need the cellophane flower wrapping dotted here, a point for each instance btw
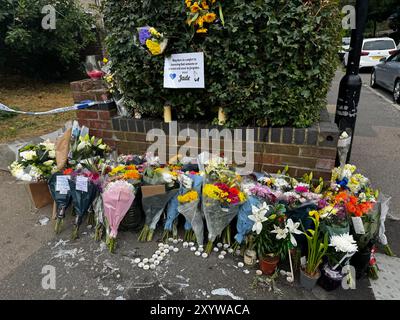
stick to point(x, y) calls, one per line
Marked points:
point(244, 224)
point(191, 210)
point(117, 197)
point(62, 199)
point(82, 200)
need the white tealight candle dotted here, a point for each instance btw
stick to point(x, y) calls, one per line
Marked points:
point(158, 252)
point(170, 239)
point(259, 273)
point(141, 264)
point(161, 245)
point(175, 241)
point(191, 244)
point(154, 256)
point(152, 266)
point(240, 264)
point(197, 253)
point(151, 260)
point(137, 260)
point(159, 258)
point(185, 244)
point(156, 263)
point(219, 244)
point(246, 271)
point(204, 255)
point(171, 248)
point(145, 260)
point(176, 249)
point(230, 250)
point(223, 252)
point(162, 254)
point(216, 249)
point(226, 246)
point(166, 250)
point(146, 267)
point(221, 257)
point(201, 249)
point(192, 248)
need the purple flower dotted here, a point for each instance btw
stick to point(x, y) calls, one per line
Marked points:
point(322, 204)
point(301, 189)
point(144, 34)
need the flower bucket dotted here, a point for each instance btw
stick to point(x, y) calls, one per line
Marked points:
point(268, 264)
point(330, 279)
point(307, 281)
point(360, 262)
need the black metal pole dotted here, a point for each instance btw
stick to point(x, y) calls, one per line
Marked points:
point(350, 85)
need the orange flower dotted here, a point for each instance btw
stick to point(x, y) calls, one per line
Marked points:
point(205, 5)
point(210, 17)
point(132, 174)
point(195, 8)
point(131, 167)
point(341, 197)
point(68, 171)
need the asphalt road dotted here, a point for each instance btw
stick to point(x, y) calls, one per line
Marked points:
point(86, 270)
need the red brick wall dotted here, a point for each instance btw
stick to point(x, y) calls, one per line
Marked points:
point(303, 150)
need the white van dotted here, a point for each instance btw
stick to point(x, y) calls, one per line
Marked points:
point(373, 50)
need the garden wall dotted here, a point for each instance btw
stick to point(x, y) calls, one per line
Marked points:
point(303, 150)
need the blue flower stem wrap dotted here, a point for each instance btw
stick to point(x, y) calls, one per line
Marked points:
point(244, 224)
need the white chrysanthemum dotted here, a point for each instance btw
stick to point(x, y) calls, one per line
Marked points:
point(28, 155)
point(344, 243)
point(281, 183)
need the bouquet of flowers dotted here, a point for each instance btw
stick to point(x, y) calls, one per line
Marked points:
point(201, 14)
point(35, 162)
point(132, 174)
point(153, 40)
point(84, 149)
point(153, 206)
point(189, 200)
point(84, 186)
point(221, 199)
point(341, 248)
point(118, 197)
point(61, 194)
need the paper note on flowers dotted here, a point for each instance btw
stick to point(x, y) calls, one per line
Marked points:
point(184, 70)
point(62, 184)
point(82, 184)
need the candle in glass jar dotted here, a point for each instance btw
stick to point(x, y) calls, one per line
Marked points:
point(167, 114)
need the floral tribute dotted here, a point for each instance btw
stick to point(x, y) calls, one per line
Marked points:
point(201, 14)
point(153, 40)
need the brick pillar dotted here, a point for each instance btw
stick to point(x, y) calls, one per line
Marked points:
point(96, 118)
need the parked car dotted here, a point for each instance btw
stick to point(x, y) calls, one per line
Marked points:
point(373, 50)
point(387, 75)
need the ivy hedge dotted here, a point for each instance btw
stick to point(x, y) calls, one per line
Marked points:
point(271, 63)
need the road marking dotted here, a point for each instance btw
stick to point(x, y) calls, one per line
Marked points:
point(394, 105)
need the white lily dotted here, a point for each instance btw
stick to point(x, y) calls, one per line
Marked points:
point(28, 155)
point(258, 217)
point(48, 163)
point(280, 233)
point(293, 228)
point(83, 144)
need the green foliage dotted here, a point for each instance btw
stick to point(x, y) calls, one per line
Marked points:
point(30, 49)
point(272, 62)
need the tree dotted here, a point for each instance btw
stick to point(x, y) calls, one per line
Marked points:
point(27, 47)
